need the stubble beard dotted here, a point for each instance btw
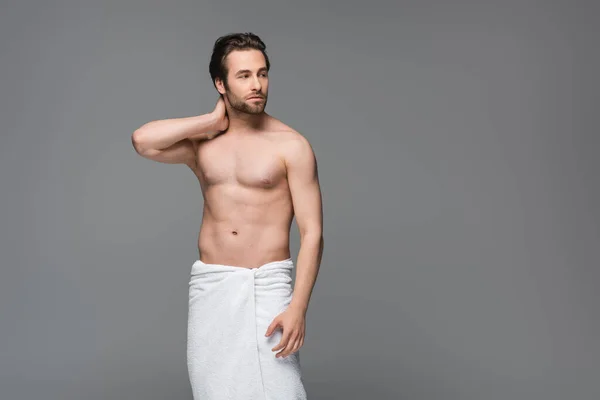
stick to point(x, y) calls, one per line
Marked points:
point(243, 106)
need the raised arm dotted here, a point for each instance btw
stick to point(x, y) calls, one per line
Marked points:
point(170, 140)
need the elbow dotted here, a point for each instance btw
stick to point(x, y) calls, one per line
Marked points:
point(137, 140)
point(313, 237)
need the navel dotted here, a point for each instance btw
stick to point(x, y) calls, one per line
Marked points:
point(234, 232)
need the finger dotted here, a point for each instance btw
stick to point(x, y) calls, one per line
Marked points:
point(297, 344)
point(272, 327)
point(284, 341)
point(300, 343)
point(282, 344)
point(287, 350)
point(294, 347)
point(288, 347)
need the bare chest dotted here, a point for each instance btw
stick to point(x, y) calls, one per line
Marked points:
point(255, 164)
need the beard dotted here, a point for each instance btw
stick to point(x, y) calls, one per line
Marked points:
point(246, 106)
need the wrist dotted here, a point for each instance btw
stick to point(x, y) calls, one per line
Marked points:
point(220, 122)
point(298, 306)
point(214, 120)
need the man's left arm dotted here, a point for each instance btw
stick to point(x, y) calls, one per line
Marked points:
point(303, 181)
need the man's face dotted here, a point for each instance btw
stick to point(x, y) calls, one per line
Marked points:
point(247, 77)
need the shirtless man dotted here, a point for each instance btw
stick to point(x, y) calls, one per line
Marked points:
point(255, 174)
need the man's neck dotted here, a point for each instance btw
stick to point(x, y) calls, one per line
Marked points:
point(246, 122)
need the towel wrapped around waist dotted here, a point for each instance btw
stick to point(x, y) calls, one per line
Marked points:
point(228, 355)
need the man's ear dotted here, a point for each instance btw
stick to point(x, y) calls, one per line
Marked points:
point(220, 86)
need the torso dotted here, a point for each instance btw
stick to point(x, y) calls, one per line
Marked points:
point(248, 209)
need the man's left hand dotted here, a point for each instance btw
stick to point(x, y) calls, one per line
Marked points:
point(292, 322)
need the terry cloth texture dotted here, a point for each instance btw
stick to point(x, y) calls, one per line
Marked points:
point(228, 355)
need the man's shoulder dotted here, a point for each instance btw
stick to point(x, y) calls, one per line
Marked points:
point(289, 141)
point(286, 135)
point(292, 145)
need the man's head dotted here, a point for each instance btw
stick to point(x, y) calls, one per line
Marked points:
point(239, 68)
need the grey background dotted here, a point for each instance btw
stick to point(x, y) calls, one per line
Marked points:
point(457, 147)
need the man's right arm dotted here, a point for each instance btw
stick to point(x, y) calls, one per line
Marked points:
point(170, 140)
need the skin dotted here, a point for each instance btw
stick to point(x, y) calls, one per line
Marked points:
point(256, 174)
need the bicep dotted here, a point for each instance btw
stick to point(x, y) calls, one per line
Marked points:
point(181, 152)
point(305, 190)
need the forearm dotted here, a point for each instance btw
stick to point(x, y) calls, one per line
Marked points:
point(307, 269)
point(161, 134)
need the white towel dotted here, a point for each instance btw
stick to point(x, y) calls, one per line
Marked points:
point(228, 355)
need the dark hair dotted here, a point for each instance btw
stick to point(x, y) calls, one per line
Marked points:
point(228, 43)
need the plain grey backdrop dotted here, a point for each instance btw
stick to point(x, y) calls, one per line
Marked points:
point(457, 144)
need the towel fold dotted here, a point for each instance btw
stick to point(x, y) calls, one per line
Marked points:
point(228, 355)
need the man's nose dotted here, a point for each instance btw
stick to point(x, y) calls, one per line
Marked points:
point(256, 83)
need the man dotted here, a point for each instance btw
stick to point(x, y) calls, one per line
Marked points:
point(255, 174)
